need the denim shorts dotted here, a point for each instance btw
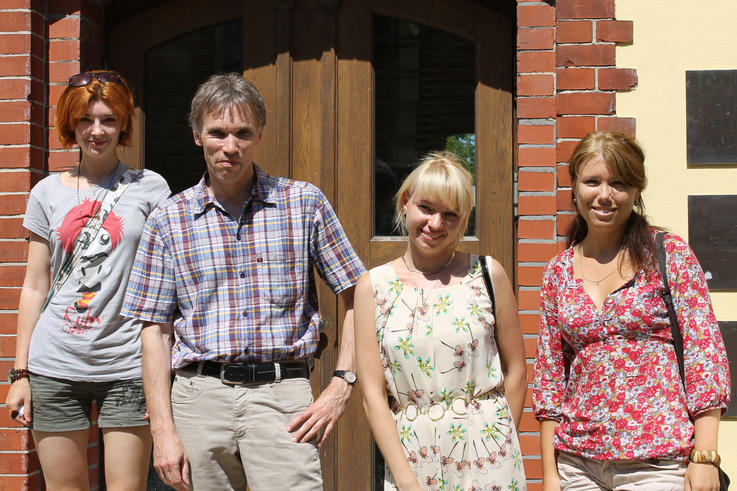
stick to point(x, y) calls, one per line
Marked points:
point(66, 405)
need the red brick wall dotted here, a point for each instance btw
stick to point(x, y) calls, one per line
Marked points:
point(41, 45)
point(566, 86)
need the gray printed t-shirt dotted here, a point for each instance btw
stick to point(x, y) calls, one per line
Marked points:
point(81, 335)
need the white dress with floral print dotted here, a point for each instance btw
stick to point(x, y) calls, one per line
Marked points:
point(445, 383)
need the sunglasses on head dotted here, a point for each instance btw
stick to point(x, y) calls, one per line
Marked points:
point(84, 78)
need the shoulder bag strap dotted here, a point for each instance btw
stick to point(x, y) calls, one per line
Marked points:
point(676, 332)
point(90, 229)
point(668, 299)
point(489, 285)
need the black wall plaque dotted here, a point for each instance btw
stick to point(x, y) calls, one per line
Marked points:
point(711, 121)
point(729, 333)
point(712, 234)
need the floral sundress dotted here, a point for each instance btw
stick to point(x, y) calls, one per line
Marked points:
point(445, 383)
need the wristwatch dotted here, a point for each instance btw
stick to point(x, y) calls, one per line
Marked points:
point(705, 457)
point(17, 374)
point(346, 375)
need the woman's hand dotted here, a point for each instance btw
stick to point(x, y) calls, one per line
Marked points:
point(701, 477)
point(19, 397)
point(410, 486)
point(704, 477)
point(551, 482)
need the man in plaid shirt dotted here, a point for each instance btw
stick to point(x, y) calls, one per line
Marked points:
point(223, 282)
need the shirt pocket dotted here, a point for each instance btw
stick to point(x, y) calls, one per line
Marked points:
point(283, 275)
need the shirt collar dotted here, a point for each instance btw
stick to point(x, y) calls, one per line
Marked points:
point(260, 191)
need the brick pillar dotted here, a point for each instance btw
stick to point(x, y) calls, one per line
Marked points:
point(566, 87)
point(22, 162)
point(536, 206)
point(587, 81)
point(41, 45)
point(75, 39)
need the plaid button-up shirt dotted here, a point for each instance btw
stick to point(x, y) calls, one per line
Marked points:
point(240, 290)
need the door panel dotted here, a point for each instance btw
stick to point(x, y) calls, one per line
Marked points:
point(312, 63)
point(493, 35)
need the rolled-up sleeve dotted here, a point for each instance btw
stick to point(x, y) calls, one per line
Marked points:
point(151, 292)
point(336, 261)
point(550, 362)
point(705, 357)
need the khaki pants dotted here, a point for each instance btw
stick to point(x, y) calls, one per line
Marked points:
point(233, 435)
point(579, 473)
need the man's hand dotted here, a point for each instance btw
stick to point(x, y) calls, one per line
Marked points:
point(170, 461)
point(701, 477)
point(323, 414)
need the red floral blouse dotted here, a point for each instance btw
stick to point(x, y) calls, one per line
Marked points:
point(611, 376)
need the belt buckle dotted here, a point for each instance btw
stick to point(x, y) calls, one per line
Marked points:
point(223, 367)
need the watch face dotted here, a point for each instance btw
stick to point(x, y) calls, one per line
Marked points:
point(349, 377)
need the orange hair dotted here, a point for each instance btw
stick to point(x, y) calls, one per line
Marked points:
point(74, 102)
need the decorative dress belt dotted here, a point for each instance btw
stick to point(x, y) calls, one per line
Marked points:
point(251, 373)
point(436, 410)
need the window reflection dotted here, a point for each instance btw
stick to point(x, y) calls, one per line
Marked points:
point(424, 92)
point(174, 70)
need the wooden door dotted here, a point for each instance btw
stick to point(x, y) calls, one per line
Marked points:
point(493, 35)
point(312, 62)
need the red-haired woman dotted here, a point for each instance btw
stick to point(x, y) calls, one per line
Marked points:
point(73, 347)
point(607, 389)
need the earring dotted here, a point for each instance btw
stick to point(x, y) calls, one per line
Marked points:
point(637, 203)
point(574, 199)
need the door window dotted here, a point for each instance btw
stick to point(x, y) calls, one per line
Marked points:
point(424, 92)
point(174, 70)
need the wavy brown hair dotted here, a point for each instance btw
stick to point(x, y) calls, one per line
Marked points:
point(625, 160)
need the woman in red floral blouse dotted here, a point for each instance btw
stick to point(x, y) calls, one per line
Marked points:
point(607, 388)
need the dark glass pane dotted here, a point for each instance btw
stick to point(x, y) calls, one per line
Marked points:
point(174, 70)
point(424, 101)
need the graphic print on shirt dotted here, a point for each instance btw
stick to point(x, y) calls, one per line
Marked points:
point(91, 270)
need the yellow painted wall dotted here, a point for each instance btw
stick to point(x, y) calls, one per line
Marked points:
point(670, 37)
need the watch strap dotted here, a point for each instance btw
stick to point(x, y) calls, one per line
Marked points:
point(342, 374)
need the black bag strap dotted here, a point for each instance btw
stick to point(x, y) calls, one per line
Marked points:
point(489, 284)
point(668, 299)
point(676, 330)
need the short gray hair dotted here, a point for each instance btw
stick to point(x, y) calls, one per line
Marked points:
point(226, 91)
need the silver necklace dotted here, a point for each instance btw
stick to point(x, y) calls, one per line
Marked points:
point(595, 282)
point(79, 203)
point(428, 273)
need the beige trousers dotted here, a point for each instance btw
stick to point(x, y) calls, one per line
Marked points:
point(579, 473)
point(236, 435)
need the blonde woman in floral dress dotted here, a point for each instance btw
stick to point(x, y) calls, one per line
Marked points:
point(427, 337)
